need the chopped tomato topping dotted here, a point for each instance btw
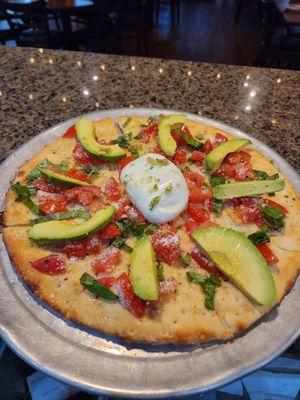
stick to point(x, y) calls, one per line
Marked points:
point(133, 213)
point(197, 193)
point(191, 226)
point(93, 244)
point(248, 210)
point(194, 177)
point(148, 131)
point(107, 260)
point(83, 194)
point(124, 161)
point(53, 265)
point(109, 232)
point(166, 243)
point(179, 139)
point(198, 157)
point(124, 201)
point(97, 204)
point(219, 139)
point(76, 248)
point(180, 157)
point(236, 166)
point(111, 189)
point(128, 298)
point(198, 212)
point(52, 206)
point(275, 204)
point(204, 262)
point(83, 157)
point(267, 254)
point(76, 173)
point(237, 157)
point(107, 281)
point(207, 146)
point(70, 132)
point(49, 187)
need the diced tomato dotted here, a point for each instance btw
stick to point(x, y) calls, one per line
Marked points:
point(83, 194)
point(109, 232)
point(107, 260)
point(178, 138)
point(195, 178)
point(166, 243)
point(197, 212)
point(52, 206)
point(191, 226)
point(238, 172)
point(107, 281)
point(111, 189)
point(83, 157)
point(93, 243)
point(198, 157)
point(124, 201)
point(53, 264)
point(204, 262)
point(207, 146)
point(76, 248)
point(76, 173)
point(133, 213)
point(275, 204)
point(128, 298)
point(180, 157)
point(237, 157)
point(202, 194)
point(267, 254)
point(97, 204)
point(248, 210)
point(219, 138)
point(148, 131)
point(70, 132)
point(49, 187)
point(124, 161)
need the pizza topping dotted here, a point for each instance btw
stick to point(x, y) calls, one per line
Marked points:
point(166, 141)
point(198, 212)
point(78, 174)
point(83, 194)
point(160, 272)
point(83, 157)
point(52, 206)
point(23, 193)
point(125, 160)
point(76, 248)
point(76, 213)
point(107, 281)
point(273, 217)
point(208, 286)
point(248, 210)
point(203, 262)
point(264, 176)
point(207, 146)
point(128, 298)
point(148, 131)
point(107, 260)
point(124, 141)
point(54, 264)
point(248, 188)
point(219, 138)
point(183, 136)
point(197, 157)
point(93, 243)
point(112, 189)
point(168, 286)
point(267, 254)
point(70, 133)
point(180, 157)
point(260, 237)
point(276, 205)
point(166, 243)
point(109, 232)
point(97, 288)
point(186, 259)
point(49, 187)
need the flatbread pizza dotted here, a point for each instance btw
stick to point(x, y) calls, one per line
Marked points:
point(159, 229)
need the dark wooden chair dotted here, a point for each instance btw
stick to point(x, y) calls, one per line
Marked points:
point(280, 42)
point(174, 9)
point(28, 24)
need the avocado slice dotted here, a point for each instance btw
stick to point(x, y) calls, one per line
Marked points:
point(247, 188)
point(215, 157)
point(86, 137)
point(62, 178)
point(238, 258)
point(143, 271)
point(52, 231)
point(166, 141)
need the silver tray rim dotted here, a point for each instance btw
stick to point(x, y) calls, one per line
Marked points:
point(142, 369)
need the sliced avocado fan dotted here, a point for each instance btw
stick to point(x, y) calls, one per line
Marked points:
point(247, 188)
point(86, 137)
point(52, 231)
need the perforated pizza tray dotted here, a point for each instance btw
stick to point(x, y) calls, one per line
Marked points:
point(101, 364)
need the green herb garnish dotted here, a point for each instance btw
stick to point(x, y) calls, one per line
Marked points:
point(127, 121)
point(169, 188)
point(186, 259)
point(90, 170)
point(129, 226)
point(217, 180)
point(273, 217)
point(96, 287)
point(264, 176)
point(79, 213)
point(23, 194)
point(151, 228)
point(208, 286)
point(120, 243)
point(35, 173)
point(124, 141)
point(195, 277)
point(260, 237)
point(217, 205)
point(154, 202)
point(160, 272)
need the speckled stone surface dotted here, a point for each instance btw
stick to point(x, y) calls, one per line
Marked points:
point(39, 88)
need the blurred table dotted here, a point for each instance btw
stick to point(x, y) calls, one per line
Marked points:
point(290, 17)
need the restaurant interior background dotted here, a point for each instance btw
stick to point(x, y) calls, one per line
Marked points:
point(263, 33)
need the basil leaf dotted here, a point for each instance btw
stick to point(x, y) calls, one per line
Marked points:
point(129, 226)
point(186, 259)
point(124, 141)
point(35, 173)
point(77, 213)
point(160, 272)
point(128, 119)
point(273, 217)
point(195, 277)
point(120, 243)
point(217, 180)
point(264, 176)
point(96, 287)
point(23, 194)
point(90, 170)
point(151, 228)
point(217, 205)
point(260, 237)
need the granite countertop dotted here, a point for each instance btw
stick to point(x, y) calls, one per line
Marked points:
point(39, 88)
